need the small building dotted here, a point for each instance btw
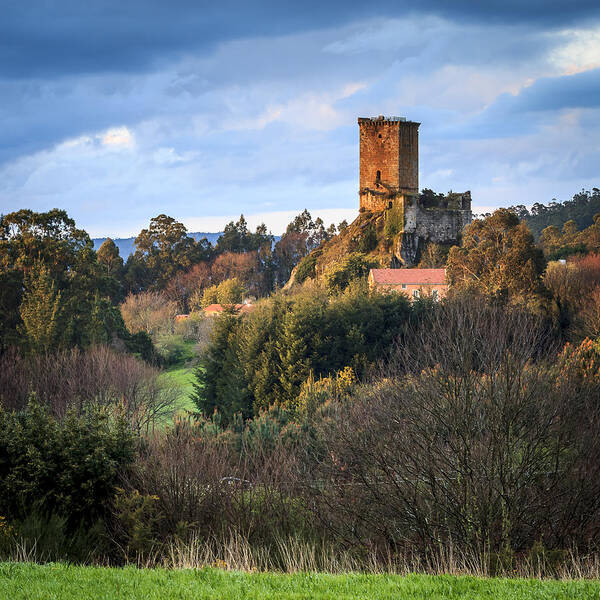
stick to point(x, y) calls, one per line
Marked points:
point(213, 310)
point(414, 283)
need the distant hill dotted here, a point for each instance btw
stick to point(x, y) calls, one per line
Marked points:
point(581, 209)
point(126, 246)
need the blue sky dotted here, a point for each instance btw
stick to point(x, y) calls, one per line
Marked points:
point(118, 111)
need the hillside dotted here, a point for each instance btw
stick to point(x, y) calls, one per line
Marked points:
point(581, 209)
point(416, 232)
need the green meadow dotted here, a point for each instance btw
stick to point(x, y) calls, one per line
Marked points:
point(28, 581)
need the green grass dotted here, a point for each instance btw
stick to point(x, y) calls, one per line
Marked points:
point(183, 377)
point(65, 582)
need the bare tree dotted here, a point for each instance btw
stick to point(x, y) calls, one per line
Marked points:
point(74, 379)
point(468, 435)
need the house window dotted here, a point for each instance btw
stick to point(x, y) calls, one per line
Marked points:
point(434, 295)
point(415, 293)
point(403, 286)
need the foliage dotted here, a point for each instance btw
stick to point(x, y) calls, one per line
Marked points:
point(497, 257)
point(44, 256)
point(136, 523)
point(470, 434)
point(149, 312)
point(341, 274)
point(306, 267)
point(109, 257)
point(368, 240)
point(173, 349)
point(394, 223)
point(434, 256)
point(68, 468)
point(315, 393)
point(583, 360)
point(163, 250)
point(581, 209)
point(75, 380)
point(220, 375)
point(574, 287)
point(52, 538)
point(40, 310)
point(237, 238)
point(187, 284)
point(297, 246)
point(229, 291)
point(265, 357)
point(570, 241)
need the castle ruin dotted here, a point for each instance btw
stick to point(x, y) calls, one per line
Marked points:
point(389, 181)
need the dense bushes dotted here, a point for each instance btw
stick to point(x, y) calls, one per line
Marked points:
point(472, 435)
point(67, 467)
point(265, 358)
point(468, 429)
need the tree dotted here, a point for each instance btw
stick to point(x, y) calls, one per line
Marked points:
point(41, 310)
point(51, 239)
point(165, 249)
point(220, 374)
point(185, 284)
point(498, 257)
point(149, 312)
point(237, 238)
point(230, 291)
point(109, 258)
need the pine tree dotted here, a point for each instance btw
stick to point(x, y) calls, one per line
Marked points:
point(40, 310)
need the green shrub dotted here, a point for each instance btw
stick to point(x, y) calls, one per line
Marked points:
point(51, 539)
point(368, 240)
point(173, 349)
point(306, 267)
point(137, 523)
point(230, 291)
point(341, 274)
point(394, 223)
point(66, 468)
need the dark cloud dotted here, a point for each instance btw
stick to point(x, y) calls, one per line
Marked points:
point(41, 38)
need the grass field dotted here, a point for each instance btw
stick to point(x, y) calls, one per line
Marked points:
point(25, 581)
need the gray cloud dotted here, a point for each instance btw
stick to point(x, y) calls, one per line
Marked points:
point(262, 118)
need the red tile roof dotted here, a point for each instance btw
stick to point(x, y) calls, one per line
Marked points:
point(409, 276)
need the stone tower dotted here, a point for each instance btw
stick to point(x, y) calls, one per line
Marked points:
point(389, 183)
point(389, 161)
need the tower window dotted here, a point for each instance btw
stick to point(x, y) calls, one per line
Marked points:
point(379, 136)
point(378, 178)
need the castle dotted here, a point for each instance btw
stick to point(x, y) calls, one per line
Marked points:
point(389, 181)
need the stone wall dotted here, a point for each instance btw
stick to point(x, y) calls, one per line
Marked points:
point(431, 225)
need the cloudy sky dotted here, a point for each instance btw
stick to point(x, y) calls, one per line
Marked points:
point(118, 110)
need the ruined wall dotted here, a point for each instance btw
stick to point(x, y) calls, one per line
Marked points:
point(441, 224)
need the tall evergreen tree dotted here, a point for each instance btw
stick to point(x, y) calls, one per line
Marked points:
point(40, 310)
